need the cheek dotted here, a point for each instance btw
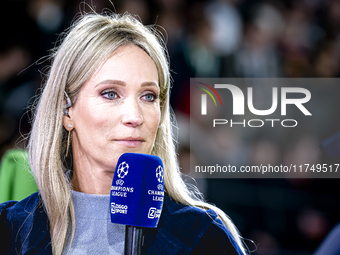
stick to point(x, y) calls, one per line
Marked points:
point(90, 121)
point(151, 117)
point(155, 120)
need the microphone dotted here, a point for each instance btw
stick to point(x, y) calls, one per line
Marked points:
point(136, 196)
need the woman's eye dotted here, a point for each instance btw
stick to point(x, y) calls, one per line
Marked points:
point(110, 94)
point(150, 97)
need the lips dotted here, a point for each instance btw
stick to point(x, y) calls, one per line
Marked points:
point(132, 142)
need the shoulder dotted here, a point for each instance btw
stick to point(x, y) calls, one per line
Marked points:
point(191, 230)
point(15, 213)
point(330, 244)
point(23, 224)
point(217, 240)
point(19, 207)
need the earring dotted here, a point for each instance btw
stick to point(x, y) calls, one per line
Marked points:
point(70, 126)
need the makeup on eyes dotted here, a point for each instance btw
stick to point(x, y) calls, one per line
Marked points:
point(112, 94)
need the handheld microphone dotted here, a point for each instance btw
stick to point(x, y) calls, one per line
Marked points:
point(136, 196)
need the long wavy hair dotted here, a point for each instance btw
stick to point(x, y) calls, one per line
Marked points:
point(86, 45)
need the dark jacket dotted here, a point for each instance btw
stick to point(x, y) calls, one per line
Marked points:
point(24, 229)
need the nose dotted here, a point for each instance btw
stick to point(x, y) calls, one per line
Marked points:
point(132, 114)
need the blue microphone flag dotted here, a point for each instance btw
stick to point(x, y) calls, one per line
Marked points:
point(137, 190)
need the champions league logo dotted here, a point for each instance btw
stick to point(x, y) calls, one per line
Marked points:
point(159, 174)
point(123, 170)
point(120, 182)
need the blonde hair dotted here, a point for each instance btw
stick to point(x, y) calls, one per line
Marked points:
point(89, 42)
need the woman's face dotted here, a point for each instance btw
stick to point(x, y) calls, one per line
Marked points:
point(117, 111)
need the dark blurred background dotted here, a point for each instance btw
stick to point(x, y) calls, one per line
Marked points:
point(226, 38)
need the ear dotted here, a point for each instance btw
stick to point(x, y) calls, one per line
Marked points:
point(67, 121)
point(68, 112)
point(67, 118)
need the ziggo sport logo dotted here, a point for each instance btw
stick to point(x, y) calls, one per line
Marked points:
point(238, 104)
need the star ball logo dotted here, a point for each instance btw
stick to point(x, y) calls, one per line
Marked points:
point(239, 104)
point(160, 174)
point(123, 169)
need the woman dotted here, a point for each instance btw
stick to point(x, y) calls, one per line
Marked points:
point(107, 93)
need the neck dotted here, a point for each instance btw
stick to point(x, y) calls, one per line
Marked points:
point(90, 175)
point(91, 184)
point(91, 179)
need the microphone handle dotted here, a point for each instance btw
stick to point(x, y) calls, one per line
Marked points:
point(133, 240)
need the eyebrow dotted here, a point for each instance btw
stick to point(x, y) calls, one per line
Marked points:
point(117, 82)
point(122, 83)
